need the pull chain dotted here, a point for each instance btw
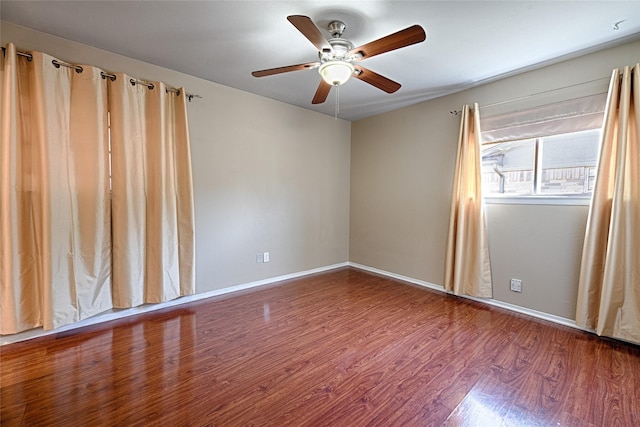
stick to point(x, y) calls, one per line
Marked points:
point(337, 101)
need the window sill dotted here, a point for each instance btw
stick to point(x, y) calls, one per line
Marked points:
point(539, 200)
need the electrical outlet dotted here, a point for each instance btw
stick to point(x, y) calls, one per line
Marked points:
point(260, 257)
point(516, 285)
point(265, 256)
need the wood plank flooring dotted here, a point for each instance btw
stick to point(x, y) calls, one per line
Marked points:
point(342, 348)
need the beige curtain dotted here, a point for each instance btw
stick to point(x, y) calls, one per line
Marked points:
point(152, 202)
point(609, 287)
point(467, 269)
point(54, 202)
point(66, 225)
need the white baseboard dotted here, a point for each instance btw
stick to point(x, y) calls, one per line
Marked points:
point(120, 314)
point(505, 305)
point(398, 276)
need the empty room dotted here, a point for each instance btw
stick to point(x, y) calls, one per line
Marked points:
point(320, 213)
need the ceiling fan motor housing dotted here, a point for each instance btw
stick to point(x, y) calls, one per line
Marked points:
point(340, 49)
point(336, 65)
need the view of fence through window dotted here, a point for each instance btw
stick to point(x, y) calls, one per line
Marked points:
point(553, 165)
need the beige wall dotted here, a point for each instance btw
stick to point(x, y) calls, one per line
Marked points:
point(401, 190)
point(267, 176)
point(540, 245)
point(401, 177)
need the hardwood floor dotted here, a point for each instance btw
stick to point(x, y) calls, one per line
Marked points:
point(342, 348)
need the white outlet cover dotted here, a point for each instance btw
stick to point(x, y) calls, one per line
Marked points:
point(265, 256)
point(516, 285)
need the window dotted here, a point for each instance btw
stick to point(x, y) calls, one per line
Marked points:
point(557, 165)
point(548, 151)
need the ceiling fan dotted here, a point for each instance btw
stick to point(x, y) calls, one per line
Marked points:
point(339, 59)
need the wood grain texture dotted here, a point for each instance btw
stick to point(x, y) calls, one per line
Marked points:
point(408, 36)
point(305, 25)
point(342, 348)
point(321, 93)
point(377, 80)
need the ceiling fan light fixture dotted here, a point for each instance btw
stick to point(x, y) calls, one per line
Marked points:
point(336, 73)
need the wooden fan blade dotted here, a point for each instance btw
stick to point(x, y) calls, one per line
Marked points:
point(321, 93)
point(305, 25)
point(279, 70)
point(375, 79)
point(408, 36)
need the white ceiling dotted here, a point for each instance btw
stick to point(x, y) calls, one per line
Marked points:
point(468, 42)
